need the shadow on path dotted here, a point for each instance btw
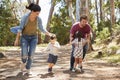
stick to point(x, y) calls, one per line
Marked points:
point(47, 75)
point(19, 76)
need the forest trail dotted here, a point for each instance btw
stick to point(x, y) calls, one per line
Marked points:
point(94, 69)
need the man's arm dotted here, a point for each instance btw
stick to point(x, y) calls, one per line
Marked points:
point(71, 37)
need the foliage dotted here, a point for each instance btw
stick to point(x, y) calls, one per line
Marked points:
point(113, 58)
point(104, 34)
point(61, 24)
point(7, 20)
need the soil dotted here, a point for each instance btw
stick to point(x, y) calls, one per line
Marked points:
point(94, 69)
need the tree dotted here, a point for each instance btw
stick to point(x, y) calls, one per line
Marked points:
point(112, 11)
point(97, 11)
point(33, 1)
point(77, 10)
point(53, 2)
point(70, 9)
point(7, 20)
point(101, 10)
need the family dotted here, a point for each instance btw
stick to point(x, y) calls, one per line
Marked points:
point(27, 32)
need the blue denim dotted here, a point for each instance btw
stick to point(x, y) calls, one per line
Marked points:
point(72, 59)
point(14, 29)
point(28, 46)
point(24, 21)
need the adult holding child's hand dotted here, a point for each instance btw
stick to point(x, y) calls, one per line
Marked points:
point(27, 34)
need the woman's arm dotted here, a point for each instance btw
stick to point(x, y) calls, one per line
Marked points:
point(41, 28)
point(16, 43)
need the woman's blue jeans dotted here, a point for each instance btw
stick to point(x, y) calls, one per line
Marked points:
point(72, 59)
point(28, 46)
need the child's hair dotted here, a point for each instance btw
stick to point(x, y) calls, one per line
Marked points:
point(53, 37)
point(33, 7)
point(78, 35)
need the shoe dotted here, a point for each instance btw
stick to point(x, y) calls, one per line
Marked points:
point(70, 69)
point(49, 70)
point(22, 67)
point(81, 69)
point(28, 71)
point(73, 70)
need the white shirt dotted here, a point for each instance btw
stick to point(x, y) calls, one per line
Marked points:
point(53, 48)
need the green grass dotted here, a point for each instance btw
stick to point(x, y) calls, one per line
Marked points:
point(112, 58)
point(115, 58)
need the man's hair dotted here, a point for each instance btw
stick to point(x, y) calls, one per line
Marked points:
point(83, 17)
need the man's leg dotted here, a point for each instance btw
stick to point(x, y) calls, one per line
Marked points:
point(85, 49)
point(72, 59)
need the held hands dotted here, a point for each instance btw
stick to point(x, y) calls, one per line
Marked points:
point(49, 34)
point(68, 44)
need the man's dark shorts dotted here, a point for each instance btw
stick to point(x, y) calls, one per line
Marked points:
point(52, 58)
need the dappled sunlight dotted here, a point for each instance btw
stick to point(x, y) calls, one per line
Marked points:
point(93, 68)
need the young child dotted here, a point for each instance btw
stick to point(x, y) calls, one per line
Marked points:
point(52, 47)
point(79, 42)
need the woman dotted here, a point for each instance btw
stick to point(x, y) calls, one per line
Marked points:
point(27, 33)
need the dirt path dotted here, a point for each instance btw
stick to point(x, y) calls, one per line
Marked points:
point(94, 69)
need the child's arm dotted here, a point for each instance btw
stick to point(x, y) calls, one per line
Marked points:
point(47, 48)
point(57, 45)
point(84, 41)
point(72, 42)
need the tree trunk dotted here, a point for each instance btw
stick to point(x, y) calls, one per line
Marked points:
point(112, 15)
point(70, 9)
point(82, 7)
point(101, 10)
point(112, 11)
point(49, 18)
point(96, 11)
point(77, 10)
point(37, 1)
point(87, 10)
point(30, 1)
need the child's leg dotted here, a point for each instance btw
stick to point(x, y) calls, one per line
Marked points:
point(80, 64)
point(76, 62)
point(50, 65)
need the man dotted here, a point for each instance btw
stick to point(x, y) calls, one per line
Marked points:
point(84, 28)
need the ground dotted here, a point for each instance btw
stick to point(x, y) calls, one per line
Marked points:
point(94, 69)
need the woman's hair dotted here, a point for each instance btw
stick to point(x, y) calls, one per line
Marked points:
point(78, 35)
point(33, 7)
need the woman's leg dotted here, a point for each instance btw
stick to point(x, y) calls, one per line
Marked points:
point(24, 51)
point(32, 46)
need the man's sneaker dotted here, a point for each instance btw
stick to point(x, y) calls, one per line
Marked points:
point(22, 67)
point(49, 70)
point(73, 70)
point(70, 69)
